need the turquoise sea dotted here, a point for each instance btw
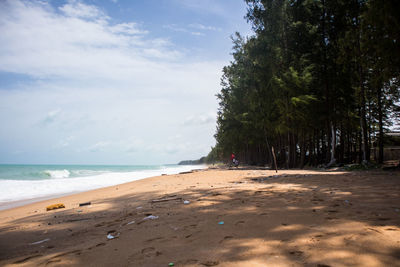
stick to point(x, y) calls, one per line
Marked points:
point(27, 182)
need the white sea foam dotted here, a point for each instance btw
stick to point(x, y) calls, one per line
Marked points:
point(16, 190)
point(57, 173)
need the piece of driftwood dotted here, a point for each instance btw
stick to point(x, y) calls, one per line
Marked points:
point(85, 204)
point(186, 172)
point(78, 220)
point(165, 199)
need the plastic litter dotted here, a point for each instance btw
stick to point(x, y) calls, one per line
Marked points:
point(112, 236)
point(221, 223)
point(171, 264)
point(186, 202)
point(150, 217)
point(41, 241)
point(55, 206)
point(130, 222)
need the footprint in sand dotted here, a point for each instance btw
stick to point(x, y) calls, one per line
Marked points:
point(296, 252)
point(150, 252)
point(191, 261)
point(154, 239)
point(239, 223)
point(210, 263)
point(100, 244)
point(226, 238)
point(194, 233)
point(190, 226)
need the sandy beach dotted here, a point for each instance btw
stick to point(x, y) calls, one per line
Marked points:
point(215, 217)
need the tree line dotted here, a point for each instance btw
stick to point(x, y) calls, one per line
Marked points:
point(317, 83)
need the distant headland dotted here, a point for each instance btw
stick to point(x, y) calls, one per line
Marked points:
point(201, 160)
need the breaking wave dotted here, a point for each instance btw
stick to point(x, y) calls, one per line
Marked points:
point(57, 173)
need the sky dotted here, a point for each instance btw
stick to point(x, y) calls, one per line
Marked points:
point(112, 81)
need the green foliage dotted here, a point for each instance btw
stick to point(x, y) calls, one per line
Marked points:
point(314, 82)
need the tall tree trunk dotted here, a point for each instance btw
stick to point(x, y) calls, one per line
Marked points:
point(288, 152)
point(363, 119)
point(302, 150)
point(312, 150)
point(294, 150)
point(333, 146)
point(268, 146)
point(380, 119)
point(318, 150)
point(360, 147)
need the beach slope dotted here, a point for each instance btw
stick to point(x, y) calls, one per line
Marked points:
point(215, 217)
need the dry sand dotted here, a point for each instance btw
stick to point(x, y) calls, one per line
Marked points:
point(299, 218)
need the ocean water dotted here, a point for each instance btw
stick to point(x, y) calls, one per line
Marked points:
point(27, 182)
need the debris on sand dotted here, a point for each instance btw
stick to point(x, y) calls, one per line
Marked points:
point(55, 206)
point(40, 242)
point(85, 204)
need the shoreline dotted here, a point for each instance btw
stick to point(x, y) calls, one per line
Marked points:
point(240, 217)
point(4, 205)
point(23, 202)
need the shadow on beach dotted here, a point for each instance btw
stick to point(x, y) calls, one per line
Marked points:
point(284, 219)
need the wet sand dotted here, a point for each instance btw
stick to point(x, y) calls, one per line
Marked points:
point(240, 217)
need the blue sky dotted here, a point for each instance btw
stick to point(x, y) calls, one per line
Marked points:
point(112, 81)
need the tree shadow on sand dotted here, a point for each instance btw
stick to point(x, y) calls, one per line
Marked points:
point(284, 220)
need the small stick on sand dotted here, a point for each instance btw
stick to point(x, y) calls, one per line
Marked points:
point(166, 199)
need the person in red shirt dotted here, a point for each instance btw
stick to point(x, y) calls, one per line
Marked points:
point(234, 161)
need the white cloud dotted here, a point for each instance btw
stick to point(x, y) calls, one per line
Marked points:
point(208, 118)
point(127, 28)
point(197, 33)
point(77, 9)
point(99, 146)
point(175, 28)
point(64, 142)
point(101, 83)
point(51, 117)
point(204, 27)
point(80, 42)
point(188, 29)
point(133, 146)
